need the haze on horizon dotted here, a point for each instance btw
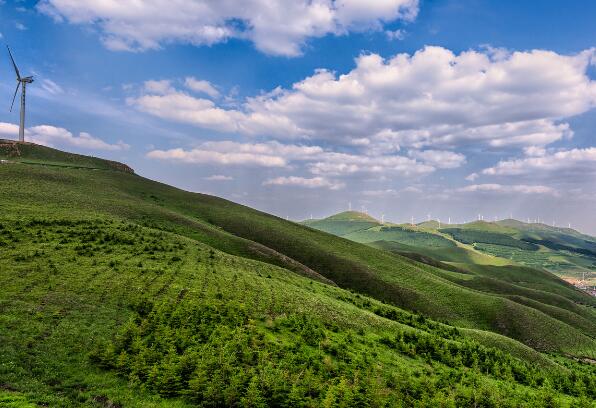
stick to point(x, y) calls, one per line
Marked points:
point(405, 108)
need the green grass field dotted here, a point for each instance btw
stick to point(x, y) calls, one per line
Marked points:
point(120, 291)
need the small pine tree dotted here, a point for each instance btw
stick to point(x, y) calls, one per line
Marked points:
point(253, 398)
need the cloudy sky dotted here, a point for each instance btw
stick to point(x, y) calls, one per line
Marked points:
point(405, 108)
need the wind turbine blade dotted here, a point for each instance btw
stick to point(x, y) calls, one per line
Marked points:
point(16, 70)
point(15, 95)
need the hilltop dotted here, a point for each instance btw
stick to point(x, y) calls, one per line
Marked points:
point(31, 153)
point(352, 216)
point(119, 290)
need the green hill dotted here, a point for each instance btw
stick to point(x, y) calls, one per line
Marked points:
point(344, 223)
point(30, 153)
point(352, 216)
point(121, 291)
point(457, 247)
point(563, 251)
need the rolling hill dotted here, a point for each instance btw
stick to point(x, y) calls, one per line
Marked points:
point(122, 291)
point(562, 251)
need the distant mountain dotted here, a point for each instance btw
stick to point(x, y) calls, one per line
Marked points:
point(563, 251)
point(122, 291)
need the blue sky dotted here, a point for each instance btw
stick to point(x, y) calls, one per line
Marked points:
point(405, 108)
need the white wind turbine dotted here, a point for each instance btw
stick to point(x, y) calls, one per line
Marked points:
point(21, 81)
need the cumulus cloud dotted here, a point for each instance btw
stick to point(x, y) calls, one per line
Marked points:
point(159, 87)
point(344, 164)
point(276, 27)
point(391, 192)
point(315, 159)
point(441, 159)
point(203, 86)
point(395, 35)
point(55, 136)
point(557, 163)
point(501, 188)
point(219, 177)
point(270, 154)
point(433, 98)
point(315, 182)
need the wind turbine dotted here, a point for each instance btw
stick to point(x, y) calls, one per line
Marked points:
point(20, 81)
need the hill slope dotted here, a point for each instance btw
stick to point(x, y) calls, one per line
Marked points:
point(30, 153)
point(144, 278)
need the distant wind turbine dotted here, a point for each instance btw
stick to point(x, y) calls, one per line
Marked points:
point(20, 82)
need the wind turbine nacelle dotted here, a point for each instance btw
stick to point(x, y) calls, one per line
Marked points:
point(27, 79)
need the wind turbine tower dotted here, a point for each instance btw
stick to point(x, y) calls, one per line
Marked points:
point(382, 218)
point(21, 81)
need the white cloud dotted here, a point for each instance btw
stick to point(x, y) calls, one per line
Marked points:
point(315, 182)
point(20, 26)
point(201, 86)
point(51, 87)
point(395, 35)
point(317, 161)
point(55, 136)
point(439, 158)
point(219, 177)
point(278, 27)
point(535, 151)
point(159, 87)
point(391, 192)
point(270, 154)
point(343, 164)
point(433, 98)
point(509, 189)
point(580, 162)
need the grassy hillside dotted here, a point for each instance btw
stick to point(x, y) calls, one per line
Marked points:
point(120, 291)
point(29, 153)
point(245, 232)
point(457, 261)
point(91, 307)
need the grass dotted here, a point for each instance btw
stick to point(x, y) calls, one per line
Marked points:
point(241, 231)
point(120, 291)
point(79, 289)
